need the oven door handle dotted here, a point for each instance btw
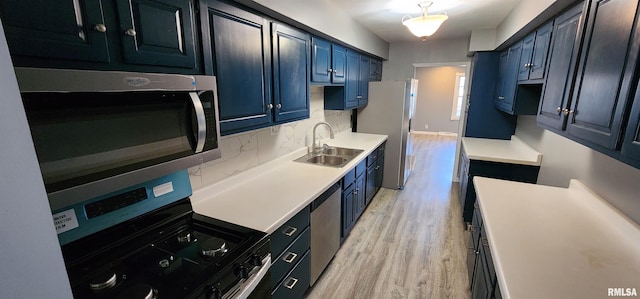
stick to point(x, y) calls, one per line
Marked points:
point(250, 285)
point(201, 119)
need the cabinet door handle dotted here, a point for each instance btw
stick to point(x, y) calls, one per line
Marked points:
point(100, 28)
point(335, 71)
point(270, 106)
point(330, 71)
point(279, 106)
point(130, 32)
point(359, 97)
point(291, 283)
point(567, 112)
point(501, 98)
point(290, 257)
point(559, 109)
point(290, 231)
point(377, 167)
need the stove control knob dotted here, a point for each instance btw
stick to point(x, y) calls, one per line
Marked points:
point(255, 260)
point(213, 293)
point(241, 272)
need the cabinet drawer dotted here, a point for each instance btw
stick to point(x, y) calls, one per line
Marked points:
point(372, 158)
point(290, 257)
point(281, 238)
point(381, 150)
point(348, 178)
point(297, 282)
point(361, 168)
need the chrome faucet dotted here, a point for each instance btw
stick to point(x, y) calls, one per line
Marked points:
point(319, 148)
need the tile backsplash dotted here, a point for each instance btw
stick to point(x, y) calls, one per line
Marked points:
point(243, 151)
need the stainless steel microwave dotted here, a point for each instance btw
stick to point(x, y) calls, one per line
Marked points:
point(96, 132)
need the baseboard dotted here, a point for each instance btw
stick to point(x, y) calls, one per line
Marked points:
point(434, 133)
point(424, 133)
point(448, 134)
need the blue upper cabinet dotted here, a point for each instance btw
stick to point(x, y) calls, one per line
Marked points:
point(483, 119)
point(535, 47)
point(133, 35)
point(525, 58)
point(157, 32)
point(355, 92)
point(606, 73)
point(321, 56)
point(508, 78)
point(562, 62)
point(262, 68)
point(339, 64)
point(352, 83)
point(290, 73)
point(363, 82)
point(66, 29)
point(238, 53)
point(328, 62)
point(538, 62)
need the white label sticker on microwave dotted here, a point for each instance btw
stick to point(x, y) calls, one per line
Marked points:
point(163, 189)
point(65, 221)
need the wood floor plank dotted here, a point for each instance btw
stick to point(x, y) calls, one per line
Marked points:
point(408, 243)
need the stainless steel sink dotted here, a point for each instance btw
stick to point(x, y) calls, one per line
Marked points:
point(331, 156)
point(342, 151)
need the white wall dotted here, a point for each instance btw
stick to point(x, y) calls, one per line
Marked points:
point(436, 88)
point(247, 150)
point(520, 16)
point(564, 159)
point(328, 19)
point(482, 40)
point(30, 255)
point(402, 56)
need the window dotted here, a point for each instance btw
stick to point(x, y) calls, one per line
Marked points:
point(458, 96)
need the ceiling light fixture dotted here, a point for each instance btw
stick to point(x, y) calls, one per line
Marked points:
point(424, 25)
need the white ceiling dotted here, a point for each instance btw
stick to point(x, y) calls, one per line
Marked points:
point(383, 17)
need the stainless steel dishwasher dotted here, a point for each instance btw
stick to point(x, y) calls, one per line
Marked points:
point(325, 229)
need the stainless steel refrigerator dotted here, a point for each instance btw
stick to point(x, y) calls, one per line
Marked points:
point(389, 111)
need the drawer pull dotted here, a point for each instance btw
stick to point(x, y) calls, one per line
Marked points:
point(290, 231)
point(291, 283)
point(290, 257)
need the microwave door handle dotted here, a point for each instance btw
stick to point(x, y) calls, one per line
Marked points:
point(202, 121)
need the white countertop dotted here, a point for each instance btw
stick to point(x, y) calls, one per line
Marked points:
point(512, 151)
point(265, 197)
point(550, 242)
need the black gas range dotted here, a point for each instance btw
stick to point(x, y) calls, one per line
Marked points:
point(169, 252)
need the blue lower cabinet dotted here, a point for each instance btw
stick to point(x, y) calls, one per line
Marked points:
point(284, 236)
point(290, 251)
point(284, 263)
point(296, 283)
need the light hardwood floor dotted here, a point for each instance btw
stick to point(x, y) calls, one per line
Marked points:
point(408, 243)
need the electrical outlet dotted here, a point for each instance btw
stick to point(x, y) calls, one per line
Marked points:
point(426, 127)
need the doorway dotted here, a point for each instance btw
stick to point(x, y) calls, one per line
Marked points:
point(441, 101)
